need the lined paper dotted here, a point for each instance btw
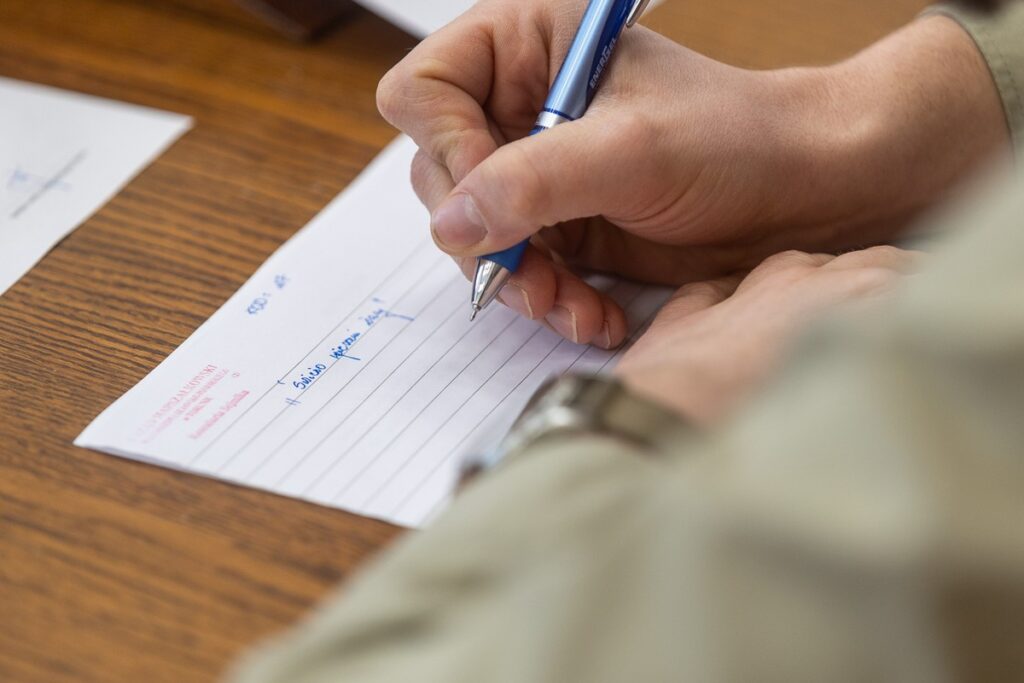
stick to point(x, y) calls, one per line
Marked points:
point(346, 371)
point(62, 156)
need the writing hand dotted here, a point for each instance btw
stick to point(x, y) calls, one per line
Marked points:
point(684, 168)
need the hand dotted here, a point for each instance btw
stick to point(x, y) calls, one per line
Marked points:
point(714, 342)
point(684, 168)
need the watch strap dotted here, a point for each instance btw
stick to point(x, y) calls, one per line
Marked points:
point(595, 404)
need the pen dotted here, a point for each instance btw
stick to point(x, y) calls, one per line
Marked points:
point(571, 94)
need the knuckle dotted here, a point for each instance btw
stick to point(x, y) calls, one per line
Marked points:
point(889, 256)
point(445, 145)
point(636, 128)
point(645, 124)
point(787, 259)
point(419, 172)
point(886, 251)
point(389, 94)
point(886, 256)
point(701, 290)
point(868, 280)
point(413, 86)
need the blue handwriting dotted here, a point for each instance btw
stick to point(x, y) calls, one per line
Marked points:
point(309, 376)
point(343, 349)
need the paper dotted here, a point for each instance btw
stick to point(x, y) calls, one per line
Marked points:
point(346, 371)
point(62, 156)
point(418, 17)
point(423, 17)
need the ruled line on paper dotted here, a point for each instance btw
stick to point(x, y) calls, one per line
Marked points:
point(292, 404)
point(352, 482)
point(319, 410)
point(398, 268)
point(391, 407)
point(457, 451)
point(398, 471)
point(454, 311)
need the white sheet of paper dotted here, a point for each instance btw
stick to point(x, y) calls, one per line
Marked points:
point(346, 371)
point(63, 155)
point(423, 17)
point(418, 17)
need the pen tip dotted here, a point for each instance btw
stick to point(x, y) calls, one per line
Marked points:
point(476, 309)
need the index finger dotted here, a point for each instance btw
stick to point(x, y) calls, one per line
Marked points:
point(436, 94)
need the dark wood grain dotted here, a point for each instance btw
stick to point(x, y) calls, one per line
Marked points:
point(115, 571)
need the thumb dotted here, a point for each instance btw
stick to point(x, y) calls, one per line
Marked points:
point(579, 169)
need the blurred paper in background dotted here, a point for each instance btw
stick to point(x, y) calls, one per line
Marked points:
point(63, 155)
point(423, 17)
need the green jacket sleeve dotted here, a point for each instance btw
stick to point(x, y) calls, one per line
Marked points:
point(998, 29)
point(859, 520)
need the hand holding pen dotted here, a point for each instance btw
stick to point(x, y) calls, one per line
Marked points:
point(571, 94)
point(683, 169)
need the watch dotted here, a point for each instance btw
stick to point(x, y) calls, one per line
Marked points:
point(593, 404)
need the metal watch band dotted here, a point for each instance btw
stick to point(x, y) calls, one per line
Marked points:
point(582, 403)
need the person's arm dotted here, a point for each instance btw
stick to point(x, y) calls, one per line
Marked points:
point(859, 520)
point(684, 168)
point(855, 522)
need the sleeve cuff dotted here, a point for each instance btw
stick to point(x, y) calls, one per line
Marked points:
point(999, 34)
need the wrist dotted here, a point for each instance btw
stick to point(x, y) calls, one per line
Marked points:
point(889, 132)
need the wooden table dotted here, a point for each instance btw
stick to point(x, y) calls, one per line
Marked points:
point(116, 571)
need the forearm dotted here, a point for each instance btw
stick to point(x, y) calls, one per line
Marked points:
point(926, 112)
point(894, 129)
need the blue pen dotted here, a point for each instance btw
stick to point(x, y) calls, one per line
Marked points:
point(569, 98)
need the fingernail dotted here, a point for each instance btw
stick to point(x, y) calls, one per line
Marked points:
point(564, 323)
point(516, 298)
point(457, 222)
point(605, 337)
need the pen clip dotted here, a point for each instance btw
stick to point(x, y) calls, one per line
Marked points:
point(634, 14)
